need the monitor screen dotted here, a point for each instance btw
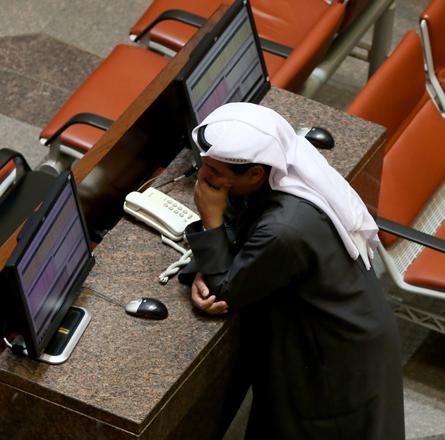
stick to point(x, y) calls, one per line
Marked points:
point(227, 66)
point(51, 260)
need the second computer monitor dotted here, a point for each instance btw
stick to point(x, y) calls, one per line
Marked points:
point(227, 66)
point(44, 273)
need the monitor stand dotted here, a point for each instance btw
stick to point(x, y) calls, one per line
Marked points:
point(65, 339)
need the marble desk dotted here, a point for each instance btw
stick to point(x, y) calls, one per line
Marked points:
point(130, 378)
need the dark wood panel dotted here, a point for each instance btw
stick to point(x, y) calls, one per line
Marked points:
point(144, 140)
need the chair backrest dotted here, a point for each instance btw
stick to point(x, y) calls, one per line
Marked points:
point(290, 22)
point(310, 51)
point(286, 22)
point(413, 169)
point(306, 27)
point(414, 160)
point(414, 165)
point(396, 91)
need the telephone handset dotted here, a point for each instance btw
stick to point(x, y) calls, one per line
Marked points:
point(160, 211)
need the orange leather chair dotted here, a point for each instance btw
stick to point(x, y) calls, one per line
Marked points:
point(392, 97)
point(294, 35)
point(99, 100)
point(412, 191)
point(412, 196)
point(396, 101)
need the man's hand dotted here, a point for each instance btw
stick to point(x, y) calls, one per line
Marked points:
point(202, 299)
point(211, 202)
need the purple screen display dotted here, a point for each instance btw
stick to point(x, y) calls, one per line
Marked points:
point(231, 70)
point(52, 262)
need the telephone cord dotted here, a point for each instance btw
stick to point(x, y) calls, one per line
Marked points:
point(174, 268)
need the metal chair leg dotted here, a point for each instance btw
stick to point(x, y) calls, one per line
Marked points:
point(381, 39)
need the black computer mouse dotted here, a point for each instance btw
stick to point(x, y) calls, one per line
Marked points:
point(318, 137)
point(149, 308)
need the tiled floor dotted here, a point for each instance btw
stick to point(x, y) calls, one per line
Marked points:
point(47, 47)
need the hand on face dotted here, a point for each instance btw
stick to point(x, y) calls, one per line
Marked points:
point(202, 299)
point(211, 199)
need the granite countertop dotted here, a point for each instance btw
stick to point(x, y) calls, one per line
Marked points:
point(353, 136)
point(124, 368)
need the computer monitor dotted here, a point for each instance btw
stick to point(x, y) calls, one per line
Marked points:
point(44, 273)
point(227, 66)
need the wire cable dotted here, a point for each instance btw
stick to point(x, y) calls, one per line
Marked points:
point(3, 330)
point(192, 170)
point(146, 184)
point(106, 298)
point(7, 342)
point(174, 268)
point(15, 348)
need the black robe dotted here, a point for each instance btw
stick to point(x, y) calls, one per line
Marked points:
point(321, 343)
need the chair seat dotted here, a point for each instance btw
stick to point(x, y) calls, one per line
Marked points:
point(108, 91)
point(428, 269)
point(273, 64)
point(290, 22)
point(309, 52)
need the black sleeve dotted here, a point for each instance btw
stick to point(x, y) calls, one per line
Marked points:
point(271, 257)
point(218, 238)
point(187, 273)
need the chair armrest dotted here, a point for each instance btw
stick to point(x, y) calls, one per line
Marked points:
point(411, 234)
point(198, 21)
point(175, 15)
point(82, 118)
point(434, 86)
point(7, 154)
point(275, 48)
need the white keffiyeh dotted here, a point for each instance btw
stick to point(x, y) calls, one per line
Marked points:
point(250, 133)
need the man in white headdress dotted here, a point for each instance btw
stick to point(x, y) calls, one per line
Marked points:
point(286, 242)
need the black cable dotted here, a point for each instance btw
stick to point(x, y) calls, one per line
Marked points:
point(192, 170)
point(15, 348)
point(106, 298)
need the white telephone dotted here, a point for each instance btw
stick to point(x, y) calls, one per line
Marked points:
point(160, 211)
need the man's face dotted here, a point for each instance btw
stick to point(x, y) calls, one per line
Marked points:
point(217, 174)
